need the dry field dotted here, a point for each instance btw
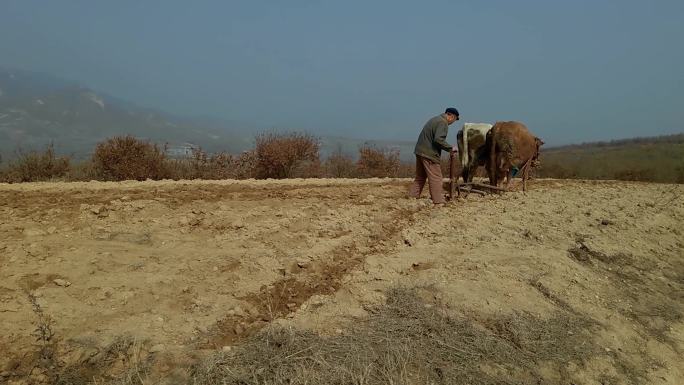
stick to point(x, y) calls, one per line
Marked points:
point(340, 281)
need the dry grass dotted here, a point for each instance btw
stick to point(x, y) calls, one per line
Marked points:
point(123, 362)
point(406, 341)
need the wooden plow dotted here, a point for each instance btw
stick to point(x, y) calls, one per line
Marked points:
point(467, 188)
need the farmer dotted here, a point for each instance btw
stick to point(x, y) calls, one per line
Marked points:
point(431, 142)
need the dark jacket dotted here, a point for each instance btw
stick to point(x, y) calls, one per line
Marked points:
point(432, 140)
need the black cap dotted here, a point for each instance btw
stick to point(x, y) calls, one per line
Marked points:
point(452, 111)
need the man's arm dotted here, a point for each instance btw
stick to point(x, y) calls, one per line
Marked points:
point(440, 136)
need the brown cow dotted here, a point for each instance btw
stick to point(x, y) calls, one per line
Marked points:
point(512, 149)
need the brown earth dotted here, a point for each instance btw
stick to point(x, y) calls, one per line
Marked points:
point(186, 268)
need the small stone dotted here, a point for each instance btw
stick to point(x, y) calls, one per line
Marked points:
point(606, 222)
point(338, 331)
point(291, 305)
point(51, 229)
point(227, 348)
point(105, 293)
point(302, 264)
point(62, 282)
point(215, 268)
point(237, 310)
point(608, 350)
point(157, 348)
point(238, 330)
point(33, 232)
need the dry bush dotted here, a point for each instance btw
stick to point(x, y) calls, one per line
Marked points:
point(378, 163)
point(180, 169)
point(212, 166)
point(406, 341)
point(128, 158)
point(81, 172)
point(407, 170)
point(287, 155)
point(245, 165)
point(35, 166)
point(339, 165)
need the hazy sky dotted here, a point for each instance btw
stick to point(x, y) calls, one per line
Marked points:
point(573, 71)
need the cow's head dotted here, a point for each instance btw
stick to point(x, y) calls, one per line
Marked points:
point(538, 143)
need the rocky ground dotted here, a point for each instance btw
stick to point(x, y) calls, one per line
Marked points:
point(176, 271)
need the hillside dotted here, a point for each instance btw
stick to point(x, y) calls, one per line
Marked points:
point(656, 159)
point(36, 109)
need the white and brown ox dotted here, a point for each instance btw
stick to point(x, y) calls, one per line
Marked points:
point(512, 149)
point(471, 148)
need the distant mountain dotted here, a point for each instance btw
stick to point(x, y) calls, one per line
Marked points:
point(36, 109)
point(619, 143)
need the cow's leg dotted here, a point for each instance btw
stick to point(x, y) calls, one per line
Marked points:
point(492, 164)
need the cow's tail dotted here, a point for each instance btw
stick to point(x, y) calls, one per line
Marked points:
point(492, 156)
point(464, 158)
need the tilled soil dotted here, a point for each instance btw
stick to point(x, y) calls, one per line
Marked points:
point(190, 267)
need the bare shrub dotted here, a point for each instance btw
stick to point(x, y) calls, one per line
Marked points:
point(81, 172)
point(339, 165)
point(407, 170)
point(377, 163)
point(128, 158)
point(211, 166)
point(286, 155)
point(35, 166)
point(245, 165)
point(178, 169)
